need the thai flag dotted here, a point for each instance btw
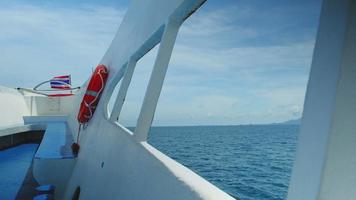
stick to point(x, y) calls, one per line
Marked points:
point(61, 82)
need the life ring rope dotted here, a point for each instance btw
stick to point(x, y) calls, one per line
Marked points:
point(89, 105)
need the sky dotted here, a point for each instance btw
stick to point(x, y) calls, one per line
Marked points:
point(234, 61)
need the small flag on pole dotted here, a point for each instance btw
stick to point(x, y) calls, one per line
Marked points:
point(61, 82)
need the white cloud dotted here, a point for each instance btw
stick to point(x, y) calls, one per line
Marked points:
point(294, 56)
point(215, 76)
point(201, 24)
point(231, 84)
point(53, 41)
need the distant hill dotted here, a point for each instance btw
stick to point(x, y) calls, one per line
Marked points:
point(292, 122)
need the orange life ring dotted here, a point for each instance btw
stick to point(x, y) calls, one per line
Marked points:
point(92, 95)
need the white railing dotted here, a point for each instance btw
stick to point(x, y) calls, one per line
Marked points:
point(130, 168)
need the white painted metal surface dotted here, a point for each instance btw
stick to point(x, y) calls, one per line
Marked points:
point(156, 81)
point(16, 107)
point(55, 172)
point(325, 164)
point(27, 112)
point(120, 99)
point(54, 161)
point(42, 105)
point(113, 162)
point(13, 107)
point(56, 142)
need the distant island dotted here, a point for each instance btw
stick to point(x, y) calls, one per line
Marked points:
point(291, 122)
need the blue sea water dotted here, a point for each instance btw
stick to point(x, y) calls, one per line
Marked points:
point(250, 162)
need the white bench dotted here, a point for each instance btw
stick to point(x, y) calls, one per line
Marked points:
point(54, 161)
point(56, 142)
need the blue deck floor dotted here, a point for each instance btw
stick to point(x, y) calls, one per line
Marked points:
point(14, 163)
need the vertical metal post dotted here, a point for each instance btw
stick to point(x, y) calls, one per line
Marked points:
point(325, 163)
point(156, 81)
point(121, 95)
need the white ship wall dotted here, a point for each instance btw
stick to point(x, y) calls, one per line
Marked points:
point(20, 110)
point(113, 162)
point(12, 106)
point(42, 105)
